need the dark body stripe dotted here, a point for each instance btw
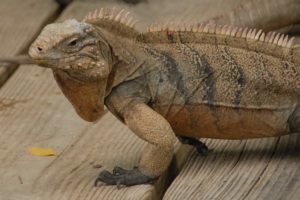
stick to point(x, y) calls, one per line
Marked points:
point(174, 76)
point(204, 76)
point(168, 69)
point(238, 75)
point(205, 71)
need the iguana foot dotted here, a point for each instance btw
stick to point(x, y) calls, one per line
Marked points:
point(200, 146)
point(122, 176)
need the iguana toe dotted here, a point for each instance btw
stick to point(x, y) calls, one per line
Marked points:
point(119, 170)
point(200, 146)
point(122, 176)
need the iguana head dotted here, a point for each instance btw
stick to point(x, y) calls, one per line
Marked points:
point(81, 60)
point(74, 47)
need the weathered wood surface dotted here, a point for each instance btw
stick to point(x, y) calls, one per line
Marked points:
point(19, 23)
point(262, 14)
point(266, 169)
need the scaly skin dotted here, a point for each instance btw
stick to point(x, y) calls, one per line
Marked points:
point(187, 81)
point(265, 14)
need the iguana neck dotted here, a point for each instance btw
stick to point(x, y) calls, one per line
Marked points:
point(126, 57)
point(117, 28)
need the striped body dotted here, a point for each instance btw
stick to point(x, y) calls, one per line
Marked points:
point(220, 91)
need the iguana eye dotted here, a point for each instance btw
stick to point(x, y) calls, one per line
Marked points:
point(73, 42)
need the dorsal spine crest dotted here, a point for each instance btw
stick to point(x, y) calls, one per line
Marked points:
point(114, 20)
point(225, 30)
point(271, 43)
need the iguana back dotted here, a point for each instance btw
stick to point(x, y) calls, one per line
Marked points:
point(220, 75)
point(237, 83)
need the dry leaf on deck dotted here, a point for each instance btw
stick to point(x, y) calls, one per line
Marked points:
point(36, 151)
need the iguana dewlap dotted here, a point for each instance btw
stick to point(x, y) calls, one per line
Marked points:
point(193, 81)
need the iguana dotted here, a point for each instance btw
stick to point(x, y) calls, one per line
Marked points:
point(187, 80)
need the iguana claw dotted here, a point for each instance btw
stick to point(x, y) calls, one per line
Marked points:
point(122, 176)
point(200, 146)
point(119, 170)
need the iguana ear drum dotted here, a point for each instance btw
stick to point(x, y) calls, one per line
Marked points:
point(105, 50)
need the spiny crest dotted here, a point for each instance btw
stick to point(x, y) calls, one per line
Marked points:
point(115, 20)
point(111, 14)
point(225, 30)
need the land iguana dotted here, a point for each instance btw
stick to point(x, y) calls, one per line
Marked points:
point(187, 80)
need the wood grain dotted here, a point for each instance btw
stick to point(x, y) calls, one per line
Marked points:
point(20, 22)
point(249, 169)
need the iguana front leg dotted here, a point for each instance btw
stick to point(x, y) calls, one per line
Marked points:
point(157, 155)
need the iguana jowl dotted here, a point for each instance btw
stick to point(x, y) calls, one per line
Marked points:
point(194, 81)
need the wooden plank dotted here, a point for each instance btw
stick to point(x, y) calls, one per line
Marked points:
point(248, 169)
point(34, 113)
point(262, 14)
point(20, 22)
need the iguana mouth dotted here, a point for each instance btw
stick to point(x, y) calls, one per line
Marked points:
point(85, 75)
point(68, 63)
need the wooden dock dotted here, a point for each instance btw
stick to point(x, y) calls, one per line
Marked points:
point(34, 113)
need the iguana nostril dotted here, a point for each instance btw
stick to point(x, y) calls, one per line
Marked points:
point(39, 49)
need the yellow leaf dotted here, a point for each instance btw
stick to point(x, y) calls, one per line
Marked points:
point(36, 151)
